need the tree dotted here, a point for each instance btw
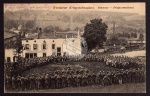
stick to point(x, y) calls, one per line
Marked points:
point(18, 45)
point(49, 29)
point(94, 33)
point(113, 40)
point(30, 24)
point(10, 24)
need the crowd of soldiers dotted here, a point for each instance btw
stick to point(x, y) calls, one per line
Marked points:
point(74, 78)
point(121, 62)
point(131, 70)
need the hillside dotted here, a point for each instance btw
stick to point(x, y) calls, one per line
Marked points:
point(75, 19)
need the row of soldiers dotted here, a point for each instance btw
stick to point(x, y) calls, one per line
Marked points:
point(74, 78)
point(123, 62)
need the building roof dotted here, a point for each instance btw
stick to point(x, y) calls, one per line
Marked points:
point(8, 34)
point(32, 35)
point(44, 35)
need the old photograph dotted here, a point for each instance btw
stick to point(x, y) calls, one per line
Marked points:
point(74, 47)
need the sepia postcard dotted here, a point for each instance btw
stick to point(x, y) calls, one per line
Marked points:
point(74, 47)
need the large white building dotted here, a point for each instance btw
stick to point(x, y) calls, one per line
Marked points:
point(47, 47)
point(42, 47)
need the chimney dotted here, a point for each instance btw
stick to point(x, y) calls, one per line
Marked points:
point(40, 30)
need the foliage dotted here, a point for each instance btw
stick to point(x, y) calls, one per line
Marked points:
point(115, 40)
point(18, 45)
point(127, 35)
point(10, 24)
point(30, 24)
point(94, 33)
point(49, 29)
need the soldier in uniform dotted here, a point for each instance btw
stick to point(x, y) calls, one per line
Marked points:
point(8, 82)
point(22, 83)
point(63, 80)
point(47, 81)
point(18, 82)
point(77, 79)
point(13, 83)
point(106, 80)
point(25, 83)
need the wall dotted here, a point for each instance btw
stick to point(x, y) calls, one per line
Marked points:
point(9, 53)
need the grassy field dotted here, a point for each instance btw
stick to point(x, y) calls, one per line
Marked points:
point(128, 88)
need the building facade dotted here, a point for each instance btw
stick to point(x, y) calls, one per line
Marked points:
point(42, 47)
point(47, 47)
point(54, 46)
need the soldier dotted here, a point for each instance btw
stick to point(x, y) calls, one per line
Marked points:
point(77, 79)
point(18, 82)
point(58, 81)
point(32, 82)
point(42, 81)
point(68, 81)
point(22, 83)
point(106, 80)
point(98, 78)
point(8, 82)
point(25, 83)
point(13, 83)
point(46, 81)
point(63, 80)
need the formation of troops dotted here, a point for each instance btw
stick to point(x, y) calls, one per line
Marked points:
point(74, 78)
point(130, 70)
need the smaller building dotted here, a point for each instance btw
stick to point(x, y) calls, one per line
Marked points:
point(9, 39)
point(10, 55)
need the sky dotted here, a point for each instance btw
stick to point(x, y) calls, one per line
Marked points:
point(111, 7)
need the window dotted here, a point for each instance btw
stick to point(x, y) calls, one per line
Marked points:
point(58, 54)
point(27, 46)
point(44, 46)
point(26, 55)
point(53, 46)
point(8, 59)
point(31, 55)
point(14, 59)
point(34, 46)
point(35, 54)
point(58, 51)
point(44, 54)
